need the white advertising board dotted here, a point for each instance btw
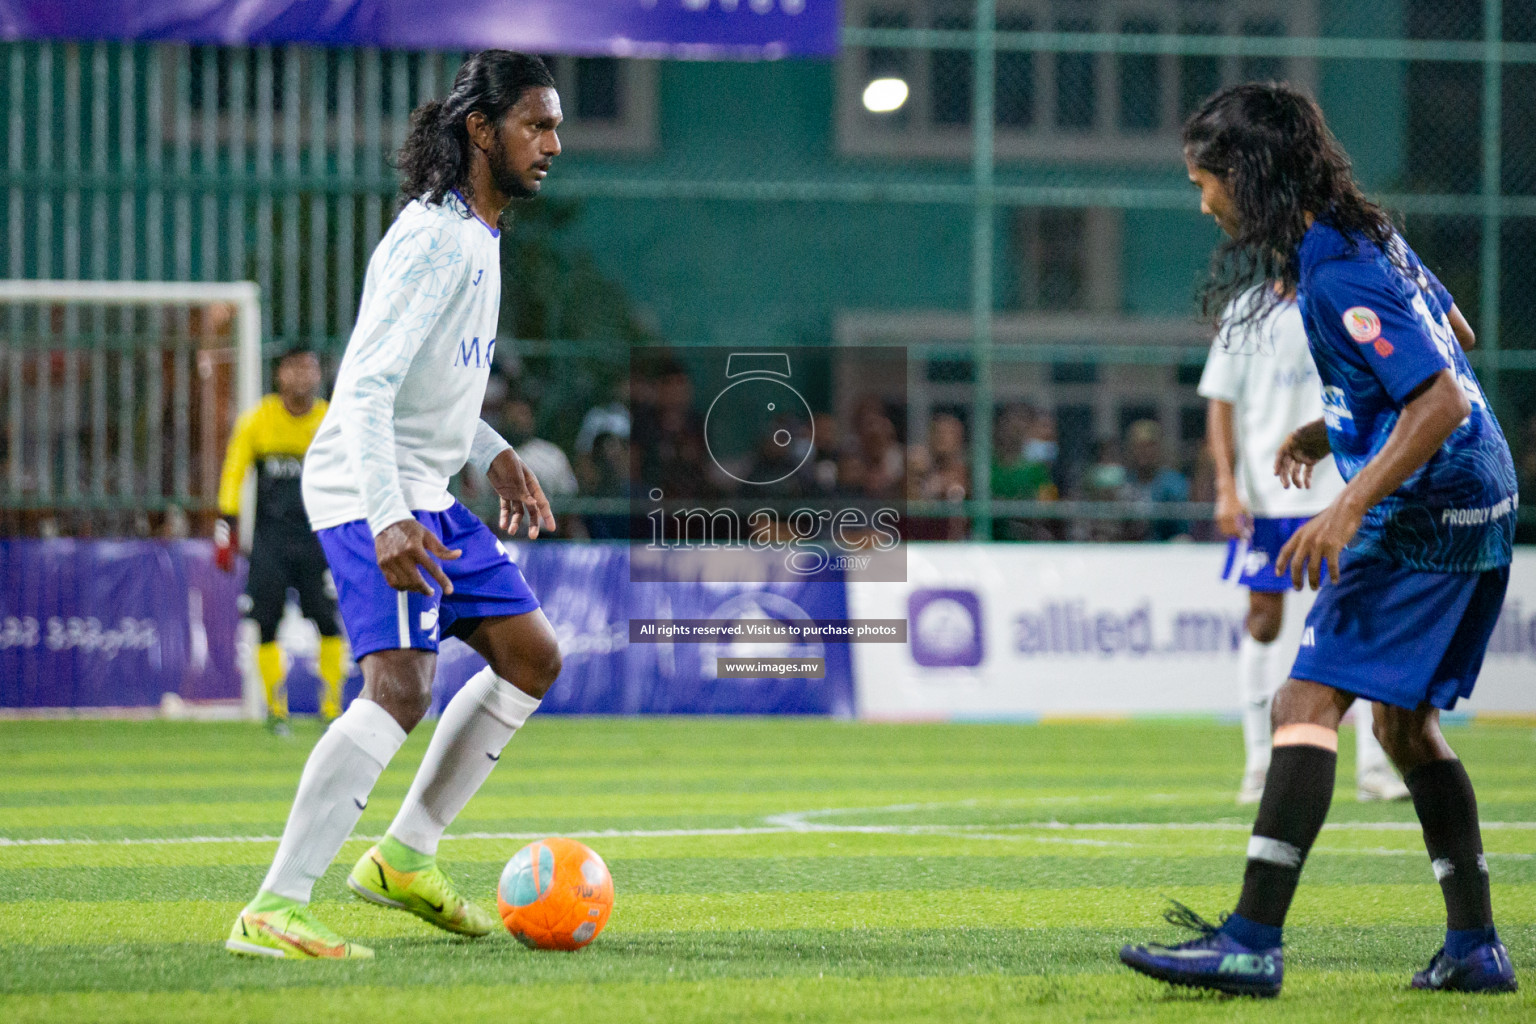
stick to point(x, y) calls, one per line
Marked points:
point(1020, 630)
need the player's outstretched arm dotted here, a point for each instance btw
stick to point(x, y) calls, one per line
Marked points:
point(1432, 412)
point(522, 499)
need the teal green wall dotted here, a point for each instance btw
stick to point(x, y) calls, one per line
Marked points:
point(776, 272)
point(767, 272)
point(1165, 258)
point(726, 272)
point(1366, 100)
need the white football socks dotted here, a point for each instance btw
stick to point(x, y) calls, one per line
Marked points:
point(333, 791)
point(475, 727)
point(1257, 682)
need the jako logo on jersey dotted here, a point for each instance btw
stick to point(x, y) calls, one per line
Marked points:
point(1309, 637)
point(429, 622)
point(469, 353)
point(1364, 326)
point(478, 274)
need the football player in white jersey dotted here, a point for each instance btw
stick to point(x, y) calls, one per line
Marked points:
point(410, 563)
point(1261, 385)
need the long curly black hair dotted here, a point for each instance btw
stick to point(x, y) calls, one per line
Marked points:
point(1272, 146)
point(435, 158)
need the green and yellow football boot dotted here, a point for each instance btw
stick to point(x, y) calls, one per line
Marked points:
point(426, 892)
point(290, 932)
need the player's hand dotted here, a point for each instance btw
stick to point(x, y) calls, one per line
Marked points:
point(1232, 517)
point(226, 543)
point(1320, 540)
point(1304, 448)
point(407, 547)
point(522, 499)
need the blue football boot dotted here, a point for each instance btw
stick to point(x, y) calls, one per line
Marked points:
point(1485, 969)
point(1214, 960)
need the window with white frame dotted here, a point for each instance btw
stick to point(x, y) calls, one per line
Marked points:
point(609, 103)
point(1055, 105)
point(1067, 259)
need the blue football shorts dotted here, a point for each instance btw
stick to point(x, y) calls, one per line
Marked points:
point(486, 584)
point(1252, 561)
point(1401, 636)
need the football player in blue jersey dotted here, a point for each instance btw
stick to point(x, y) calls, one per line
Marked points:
point(1262, 384)
point(1416, 546)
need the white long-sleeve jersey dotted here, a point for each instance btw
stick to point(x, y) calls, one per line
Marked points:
point(1265, 370)
point(405, 415)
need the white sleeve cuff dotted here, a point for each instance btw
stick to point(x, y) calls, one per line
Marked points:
point(487, 445)
point(388, 516)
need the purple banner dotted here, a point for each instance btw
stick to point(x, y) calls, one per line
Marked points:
point(586, 592)
point(114, 624)
point(94, 624)
point(700, 29)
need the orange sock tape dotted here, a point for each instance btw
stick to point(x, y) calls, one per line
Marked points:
point(1305, 734)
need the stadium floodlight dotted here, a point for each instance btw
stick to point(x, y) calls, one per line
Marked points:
point(885, 95)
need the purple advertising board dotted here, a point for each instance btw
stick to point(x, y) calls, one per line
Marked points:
point(119, 624)
point(94, 624)
point(702, 29)
point(586, 592)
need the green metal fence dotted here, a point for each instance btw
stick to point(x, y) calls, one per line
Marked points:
point(170, 162)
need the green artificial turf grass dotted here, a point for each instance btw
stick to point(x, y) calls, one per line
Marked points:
point(765, 870)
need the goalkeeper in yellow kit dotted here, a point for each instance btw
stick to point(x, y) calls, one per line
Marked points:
point(284, 552)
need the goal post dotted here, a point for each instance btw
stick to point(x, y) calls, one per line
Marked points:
point(117, 399)
point(80, 444)
point(244, 296)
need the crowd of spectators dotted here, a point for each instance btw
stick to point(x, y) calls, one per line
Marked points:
point(647, 434)
point(1029, 472)
point(655, 437)
point(1134, 486)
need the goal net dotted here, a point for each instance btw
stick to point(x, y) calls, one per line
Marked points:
point(117, 399)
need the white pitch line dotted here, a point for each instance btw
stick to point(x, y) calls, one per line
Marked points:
point(1235, 826)
point(797, 820)
point(793, 824)
point(1382, 851)
point(953, 831)
point(661, 833)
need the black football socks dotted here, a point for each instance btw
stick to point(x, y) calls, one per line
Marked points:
point(1447, 808)
point(1297, 793)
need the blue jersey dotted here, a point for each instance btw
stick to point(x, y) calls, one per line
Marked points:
point(1377, 332)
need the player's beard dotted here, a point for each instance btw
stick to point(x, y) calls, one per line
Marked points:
point(508, 182)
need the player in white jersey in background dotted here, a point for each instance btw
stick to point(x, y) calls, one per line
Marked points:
point(1262, 384)
point(404, 418)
